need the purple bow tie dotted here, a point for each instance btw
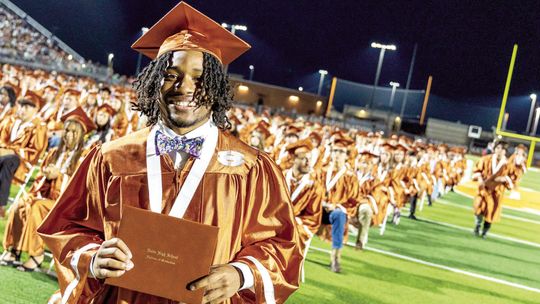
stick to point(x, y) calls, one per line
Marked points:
point(166, 144)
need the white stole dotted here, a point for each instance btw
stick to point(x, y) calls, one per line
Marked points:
point(331, 182)
point(187, 190)
point(495, 167)
point(303, 182)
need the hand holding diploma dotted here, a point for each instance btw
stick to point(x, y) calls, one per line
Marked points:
point(111, 260)
point(222, 283)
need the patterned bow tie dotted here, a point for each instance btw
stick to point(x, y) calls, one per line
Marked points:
point(166, 144)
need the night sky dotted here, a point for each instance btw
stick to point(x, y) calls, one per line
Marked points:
point(466, 47)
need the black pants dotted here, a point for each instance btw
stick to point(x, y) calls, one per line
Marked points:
point(413, 201)
point(8, 166)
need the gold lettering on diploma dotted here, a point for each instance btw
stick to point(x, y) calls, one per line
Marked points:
point(161, 256)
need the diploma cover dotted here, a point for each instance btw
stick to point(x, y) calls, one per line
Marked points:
point(169, 253)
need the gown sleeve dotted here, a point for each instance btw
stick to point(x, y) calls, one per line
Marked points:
point(73, 230)
point(268, 236)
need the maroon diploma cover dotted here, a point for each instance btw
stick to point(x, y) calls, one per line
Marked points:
point(168, 254)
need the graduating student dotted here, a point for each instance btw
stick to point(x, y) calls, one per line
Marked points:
point(341, 199)
point(186, 162)
point(23, 138)
point(307, 191)
point(491, 172)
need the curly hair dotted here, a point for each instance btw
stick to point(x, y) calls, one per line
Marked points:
point(213, 90)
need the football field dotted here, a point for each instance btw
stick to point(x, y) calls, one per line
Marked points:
point(433, 260)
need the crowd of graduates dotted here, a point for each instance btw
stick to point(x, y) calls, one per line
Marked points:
point(341, 179)
point(338, 178)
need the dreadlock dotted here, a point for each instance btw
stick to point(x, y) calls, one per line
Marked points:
point(213, 89)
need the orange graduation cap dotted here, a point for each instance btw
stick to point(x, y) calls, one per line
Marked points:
point(80, 116)
point(106, 108)
point(303, 143)
point(185, 28)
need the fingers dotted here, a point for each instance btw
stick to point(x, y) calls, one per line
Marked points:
point(116, 242)
point(213, 296)
point(113, 259)
point(209, 281)
point(113, 253)
point(201, 283)
point(112, 264)
point(106, 273)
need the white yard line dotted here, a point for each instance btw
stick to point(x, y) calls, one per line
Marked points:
point(498, 236)
point(451, 269)
point(517, 218)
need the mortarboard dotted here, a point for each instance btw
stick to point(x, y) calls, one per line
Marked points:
point(303, 143)
point(185, 28)
point(80, 116)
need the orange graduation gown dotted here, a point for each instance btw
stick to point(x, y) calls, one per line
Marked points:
point(29, 143)
point(248, 202)
point(307, 195)
point(488, 201)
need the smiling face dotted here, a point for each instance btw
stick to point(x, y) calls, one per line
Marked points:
point(177, 105)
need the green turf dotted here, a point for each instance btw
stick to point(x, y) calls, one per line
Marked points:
point(531, 180)
point(456, 215)
point(19, 287)
point(456, 248)
point(370, 277)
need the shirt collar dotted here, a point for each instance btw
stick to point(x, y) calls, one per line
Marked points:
point(201, 131)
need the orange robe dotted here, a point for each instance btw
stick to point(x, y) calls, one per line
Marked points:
point(7, 112)
point(25, 217)
point(366, 182)
point(342, 191)
point(380, 191)
point(515, 172)
point(29, 143)
point(424, 178)
point(307, 194)
point(488, 201)
point(399, 180)
point(249, 202)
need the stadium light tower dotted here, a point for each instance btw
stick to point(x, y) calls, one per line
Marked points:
point(531, 113)
point(321, 79)
point(233, 28)
point(383, 48)
point(251, 71)
point(394, 85)
point(110, 60)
